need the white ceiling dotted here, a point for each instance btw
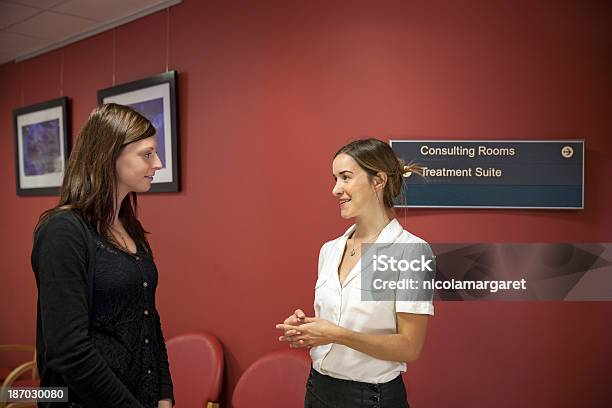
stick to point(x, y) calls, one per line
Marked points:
point(33, 27)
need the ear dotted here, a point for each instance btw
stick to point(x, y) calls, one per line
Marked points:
point(380, 181)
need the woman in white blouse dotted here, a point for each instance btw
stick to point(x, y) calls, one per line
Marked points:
point(359, 348)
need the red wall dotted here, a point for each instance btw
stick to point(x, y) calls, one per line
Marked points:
point(268, 91)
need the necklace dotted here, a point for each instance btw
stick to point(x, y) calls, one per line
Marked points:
point(124, 245)
point(352, 253)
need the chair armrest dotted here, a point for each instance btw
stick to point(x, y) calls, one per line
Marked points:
point(18, 372)
point(11, 378)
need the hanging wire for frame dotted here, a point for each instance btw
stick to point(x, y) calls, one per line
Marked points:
point(22, 80)
point(114, 53)
point(61, 89)
point(167, 39)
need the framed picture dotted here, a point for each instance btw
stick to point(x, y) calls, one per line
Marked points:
point(155, 99)
point(41, 147)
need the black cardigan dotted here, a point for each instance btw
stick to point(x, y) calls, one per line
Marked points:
point(64, 263)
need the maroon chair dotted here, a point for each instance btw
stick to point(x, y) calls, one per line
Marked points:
point(275, 380)
point(196, 365)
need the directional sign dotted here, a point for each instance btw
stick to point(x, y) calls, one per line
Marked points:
point(493, 173)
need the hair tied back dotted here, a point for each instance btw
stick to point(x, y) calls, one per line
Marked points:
point(407, 171)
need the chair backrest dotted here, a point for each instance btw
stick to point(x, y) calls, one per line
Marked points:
point(277, 379)
point(196, 365)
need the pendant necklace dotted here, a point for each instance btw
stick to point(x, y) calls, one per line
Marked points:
point(124, 246)
point(352, 253)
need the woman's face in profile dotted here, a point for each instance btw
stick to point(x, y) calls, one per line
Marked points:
point(353, 188)
point(136, 166)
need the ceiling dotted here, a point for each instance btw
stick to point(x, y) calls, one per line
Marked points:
point(33, 27)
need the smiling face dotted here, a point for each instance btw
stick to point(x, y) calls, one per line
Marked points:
point(357, 194)
point(136, 166)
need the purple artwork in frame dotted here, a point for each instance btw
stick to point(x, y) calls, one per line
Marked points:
point(42, 152)
point(41, 147)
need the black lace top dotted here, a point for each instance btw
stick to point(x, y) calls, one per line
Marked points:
point(98, 331)
point(125, 326)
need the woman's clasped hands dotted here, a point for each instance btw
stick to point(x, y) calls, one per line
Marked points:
point(306, 332)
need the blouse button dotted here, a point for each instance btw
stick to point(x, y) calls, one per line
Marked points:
point(145, 284)
point(148, 371)
point(146, 341)
point(146, 312)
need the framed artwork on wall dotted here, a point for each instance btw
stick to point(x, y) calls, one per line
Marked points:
point(41, 147)
point(155, 99)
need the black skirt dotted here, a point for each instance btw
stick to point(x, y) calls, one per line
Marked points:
point(323, 391)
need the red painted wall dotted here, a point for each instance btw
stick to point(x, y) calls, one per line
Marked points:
point(268, 91)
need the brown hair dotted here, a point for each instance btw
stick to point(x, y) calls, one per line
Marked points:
point(89, 186)
point(375, 156)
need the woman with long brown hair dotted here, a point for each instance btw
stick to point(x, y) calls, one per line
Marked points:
point(359, 345)
point(98, 332)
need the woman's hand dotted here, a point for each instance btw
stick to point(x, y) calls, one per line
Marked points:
point(296, 318)
point(311, 333)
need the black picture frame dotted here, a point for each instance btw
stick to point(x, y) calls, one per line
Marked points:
point(155, 98)
point(41, 147)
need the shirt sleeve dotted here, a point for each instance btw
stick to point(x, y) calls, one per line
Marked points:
point(165, 380)
point(421, 301)
point(59, 260)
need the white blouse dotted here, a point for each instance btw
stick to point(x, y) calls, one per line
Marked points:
point(342, 305)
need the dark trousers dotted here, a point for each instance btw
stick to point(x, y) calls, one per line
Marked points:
point(323, 391)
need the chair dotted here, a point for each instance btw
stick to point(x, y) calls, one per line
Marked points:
point(196, 364)
point(277, 379)
point(25, 375)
